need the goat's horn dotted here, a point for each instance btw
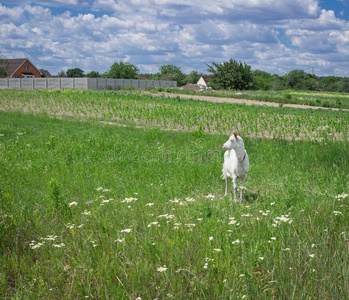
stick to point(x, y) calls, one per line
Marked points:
point(235, 135)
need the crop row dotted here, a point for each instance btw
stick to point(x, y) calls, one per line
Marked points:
point(176, 114)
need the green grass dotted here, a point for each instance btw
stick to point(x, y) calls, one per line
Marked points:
point(318, 99)
point(289, 242)
point(176, 114)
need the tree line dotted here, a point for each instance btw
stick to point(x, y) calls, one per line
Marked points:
point(231, 74)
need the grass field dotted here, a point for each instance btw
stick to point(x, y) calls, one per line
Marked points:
point(312, 98)
point(115, 195)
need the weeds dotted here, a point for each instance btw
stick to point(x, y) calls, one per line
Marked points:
point(123, 212)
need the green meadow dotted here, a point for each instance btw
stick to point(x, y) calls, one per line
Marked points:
point(118, 195)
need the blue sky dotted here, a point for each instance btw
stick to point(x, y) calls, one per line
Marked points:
point(273, 36)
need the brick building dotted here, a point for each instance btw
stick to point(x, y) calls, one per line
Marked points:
point(23, 68)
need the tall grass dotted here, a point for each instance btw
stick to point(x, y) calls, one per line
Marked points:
point(91, 210)
point(312, 98)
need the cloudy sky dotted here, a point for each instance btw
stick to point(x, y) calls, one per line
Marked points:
point(276, 36)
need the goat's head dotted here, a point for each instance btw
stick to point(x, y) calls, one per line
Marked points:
point(234, 142)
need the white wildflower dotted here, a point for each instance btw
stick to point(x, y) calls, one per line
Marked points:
point(86, 213)
point(312, 255)
point(210, 196)
point(162, 269)
point(122, 241)
point(149, 204)
point(246, 215)
point(283, 219)
point(341, 197)
point(265, 213)
point(50, 238)
point(35, 246)
point(236, 242)
point(217, 250)
point(128, 200)
point(177, 201)
point(188, 199)
point(107, 200)
point(166, 216)
point(153, 223)
point(210, 238)
point(58, 245)
point(102, 189)
point(72, 204)
point(336, 212)
point(126, 230)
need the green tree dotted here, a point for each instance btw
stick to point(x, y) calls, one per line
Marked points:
point(193, 77)
point(3, 67)
point(277, 83)
point(172, 72)
point(330, 83)
point(93, 74)
point(344, 85)
point(262, 80)
point(231, 75)
point(122, 70)
point(61, 74)
point(76, 72)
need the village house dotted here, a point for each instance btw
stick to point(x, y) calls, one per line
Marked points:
point(204, 80)
point(23, 68)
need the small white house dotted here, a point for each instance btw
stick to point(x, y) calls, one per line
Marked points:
point(204, 80)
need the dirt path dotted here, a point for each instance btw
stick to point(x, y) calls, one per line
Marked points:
point(237, 101)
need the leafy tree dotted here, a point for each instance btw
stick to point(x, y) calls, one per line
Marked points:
point(122, 70)
point(330, 83)
point(231, 74)
point(93, 74)
point(172, 72)
point(262, 80)
point(62, 74)
point(76, 72)
point(193, 77)
point(300, 80)
point(3, 67)
point(277, 83)
point(344, 85)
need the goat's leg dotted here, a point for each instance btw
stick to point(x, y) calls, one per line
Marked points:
point(235, 188)
point(242, 187)
point(226, 186)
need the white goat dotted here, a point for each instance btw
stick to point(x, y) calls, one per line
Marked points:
point(236, 164)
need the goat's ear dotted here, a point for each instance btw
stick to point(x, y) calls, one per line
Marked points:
point(235, 135)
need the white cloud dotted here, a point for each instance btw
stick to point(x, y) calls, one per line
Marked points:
point(272, 36)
